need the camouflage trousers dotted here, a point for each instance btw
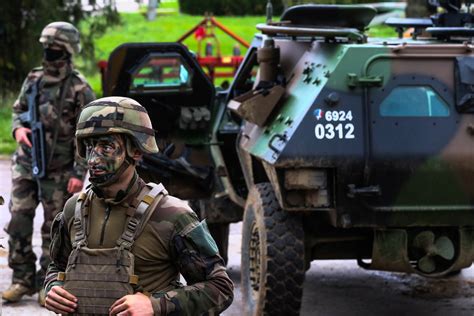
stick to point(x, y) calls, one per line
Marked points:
point(25, 197)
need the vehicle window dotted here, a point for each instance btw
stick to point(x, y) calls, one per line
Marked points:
point(414, 101)
point(159, 72)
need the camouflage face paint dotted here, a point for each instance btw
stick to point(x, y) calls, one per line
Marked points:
point(104, 155)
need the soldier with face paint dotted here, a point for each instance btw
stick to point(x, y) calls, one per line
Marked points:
point(119, 247)
point(60, 92)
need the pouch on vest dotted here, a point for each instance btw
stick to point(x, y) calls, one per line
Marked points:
point(98, 277)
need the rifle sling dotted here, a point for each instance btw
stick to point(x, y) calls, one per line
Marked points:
point(57, 124)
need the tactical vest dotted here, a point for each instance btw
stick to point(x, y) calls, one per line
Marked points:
point(98, 277)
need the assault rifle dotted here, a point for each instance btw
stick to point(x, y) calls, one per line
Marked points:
point(166, 167)
point(31, 119)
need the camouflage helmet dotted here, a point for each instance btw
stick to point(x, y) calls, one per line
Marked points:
point(113, 115)
point(63, 34)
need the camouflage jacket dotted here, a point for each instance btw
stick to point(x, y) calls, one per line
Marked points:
point(78, 94)
point(169, 245)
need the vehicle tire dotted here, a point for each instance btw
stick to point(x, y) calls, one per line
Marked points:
point(272, 256)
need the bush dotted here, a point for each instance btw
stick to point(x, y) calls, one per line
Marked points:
point(228, 7)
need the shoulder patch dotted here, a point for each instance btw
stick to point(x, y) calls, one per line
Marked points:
point(203, 240)
point(186, 222)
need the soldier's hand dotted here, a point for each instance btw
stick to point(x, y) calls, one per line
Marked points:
point(60, 301)
point(74, 185)
point(21, 136)
point(137, 304)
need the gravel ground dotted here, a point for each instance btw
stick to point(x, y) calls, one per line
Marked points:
point(332, 288)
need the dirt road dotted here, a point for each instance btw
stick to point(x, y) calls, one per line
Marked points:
point(332, 288)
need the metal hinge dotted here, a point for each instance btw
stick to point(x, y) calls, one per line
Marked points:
point(371, 81)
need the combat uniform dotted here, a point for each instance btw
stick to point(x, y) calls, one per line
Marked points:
point(62, 91)
point(172, 242)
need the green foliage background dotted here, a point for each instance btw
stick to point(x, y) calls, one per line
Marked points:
point(134, 28)
point(7, 144)
point(228, 7)
point(249, 7)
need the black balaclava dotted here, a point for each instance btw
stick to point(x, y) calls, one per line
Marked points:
point(57, 64)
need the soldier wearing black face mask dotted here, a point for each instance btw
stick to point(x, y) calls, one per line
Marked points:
point(51, 54)
point(61, 91)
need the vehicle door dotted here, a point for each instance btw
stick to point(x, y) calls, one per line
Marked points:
point(421, 140)
point(167, 80)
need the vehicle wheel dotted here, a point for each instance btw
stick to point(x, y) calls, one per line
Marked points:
point(272, 256)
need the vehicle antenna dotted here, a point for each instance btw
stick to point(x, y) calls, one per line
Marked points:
point(269, 11)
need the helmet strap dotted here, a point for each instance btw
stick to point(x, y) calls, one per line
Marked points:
point(111, 178)
point(120, 194)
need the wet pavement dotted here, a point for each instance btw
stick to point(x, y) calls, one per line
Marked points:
point(332, 288)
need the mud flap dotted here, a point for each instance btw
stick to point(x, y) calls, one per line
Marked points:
point(466, 249)
point(389, 251)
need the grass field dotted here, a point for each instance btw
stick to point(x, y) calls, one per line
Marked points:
point(168, 27)
point(7, 144)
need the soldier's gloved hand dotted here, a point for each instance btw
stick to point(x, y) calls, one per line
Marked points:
point(74, 185)
point(60, 301)
point(132, 305)
point(21, 136)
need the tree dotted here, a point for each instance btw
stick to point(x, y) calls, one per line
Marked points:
point(419, 9)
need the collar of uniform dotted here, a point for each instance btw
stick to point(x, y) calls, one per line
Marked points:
point(125, 198)
point(56, 71)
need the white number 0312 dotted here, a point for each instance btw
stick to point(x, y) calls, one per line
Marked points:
point(331, 131)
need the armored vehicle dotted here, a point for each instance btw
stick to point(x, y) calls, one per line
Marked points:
point(328, 144)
